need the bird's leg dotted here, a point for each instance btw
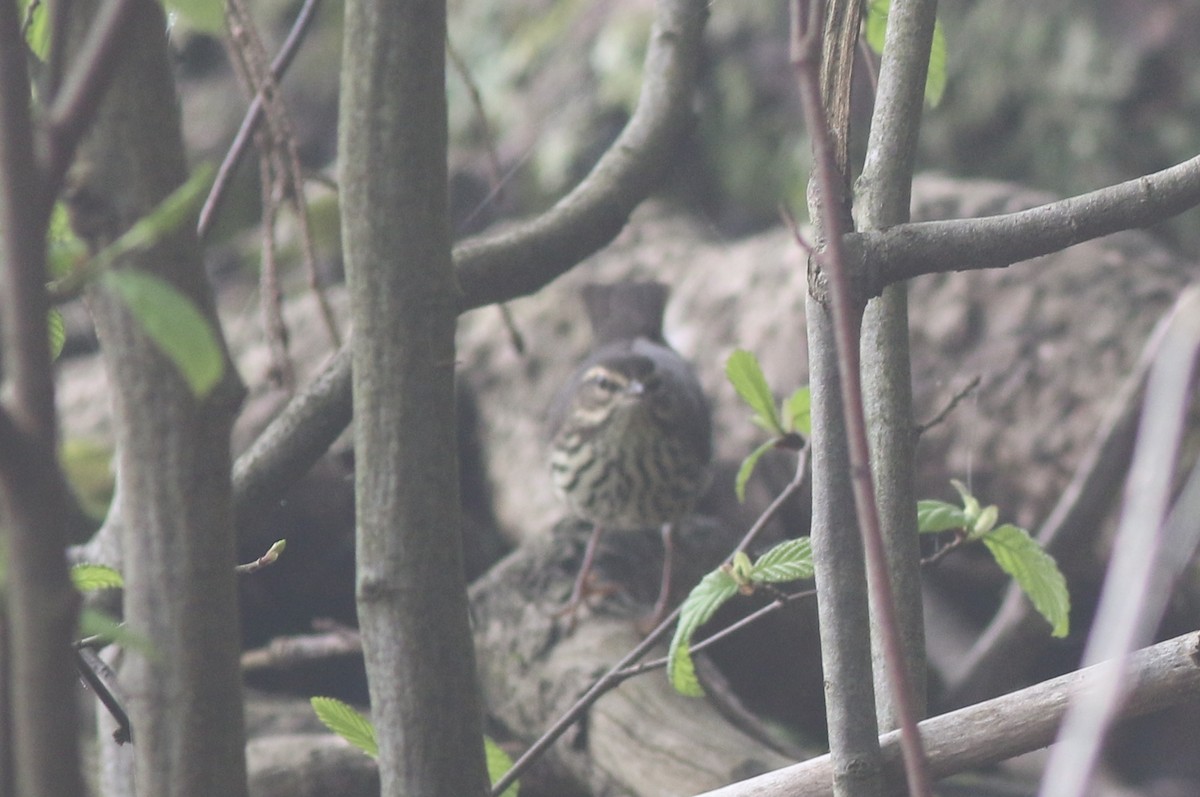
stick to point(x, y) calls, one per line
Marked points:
point(664, 586)
point(579, 591)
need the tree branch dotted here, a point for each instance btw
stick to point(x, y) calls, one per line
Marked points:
point(910, 250)
point(500, 267)
point(515, 263)
point(990, 732)
point(75, 104)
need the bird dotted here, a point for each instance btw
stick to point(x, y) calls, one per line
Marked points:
point(631, 430)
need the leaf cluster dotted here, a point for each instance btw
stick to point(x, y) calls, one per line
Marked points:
point(787, 425)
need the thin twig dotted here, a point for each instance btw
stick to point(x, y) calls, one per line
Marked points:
point(253, 116)
point(846, 318)
point(954, 401)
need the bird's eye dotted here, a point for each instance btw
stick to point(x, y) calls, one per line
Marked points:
point(605, 382)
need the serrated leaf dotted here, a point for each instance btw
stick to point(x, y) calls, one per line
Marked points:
point(88, 577)
point(701, 604)
point(346, 722)
point(797, 412)
point(207, 16)
point(58, 333)
point(95, 623)
point(935, 79)
point(174, 324)
point(746, 376)
point(1035, 572)
point(498, 763)
point(790, 560)
point(938, 516)
point(747, 468)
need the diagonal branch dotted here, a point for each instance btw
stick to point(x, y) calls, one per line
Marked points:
point(499, 267)
point(82, 89)
point(515, 263)
point(990, 732)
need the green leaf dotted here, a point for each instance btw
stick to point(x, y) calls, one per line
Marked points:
point(790, 560)
point(1035, 572)
point(174, 324)
point(89, 577)
point(58, 333)
point(935, 79)
point(747, 468)
point(986, 520)
point(180, 207)
point(207, 16)
point(498, 763)
point(746, 376)
point(38, 34)
point(95, 623)
point(65, 250)
point(937, 516)
point(345, 721)
point(708, 596)
point(970, 503)
point(797, 412)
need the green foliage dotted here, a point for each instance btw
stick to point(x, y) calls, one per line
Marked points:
point(1017, 553)
point(87, 465)
point(171, 320)
point(347, 723)
point(174, 324)
point(791, 560)
point(344, 720)
point(37, 34)
point(935, 80)
point(498, 763)
point(1035, 572)
point(88, 577)
point(207, 16)
point(58, 333)
point(66, 251)
point(934, 517)
point(786, 424)
point(98, 624)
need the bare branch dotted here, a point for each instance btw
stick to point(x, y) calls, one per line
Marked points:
point(504, 266)
point(910, 250)
point(500, 267)
point(990, 732)
point(253, 116)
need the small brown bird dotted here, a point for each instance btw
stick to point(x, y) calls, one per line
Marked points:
point(632, 437)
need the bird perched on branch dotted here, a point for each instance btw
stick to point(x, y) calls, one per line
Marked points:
point(632, 437)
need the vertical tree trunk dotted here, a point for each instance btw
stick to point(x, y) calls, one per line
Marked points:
point(411, 593)
point(39, 748)
point(838, 555)
point(185, 699)
point(883, 200)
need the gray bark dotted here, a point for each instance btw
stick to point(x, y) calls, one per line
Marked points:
point(173, 449)
point(410, 588)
